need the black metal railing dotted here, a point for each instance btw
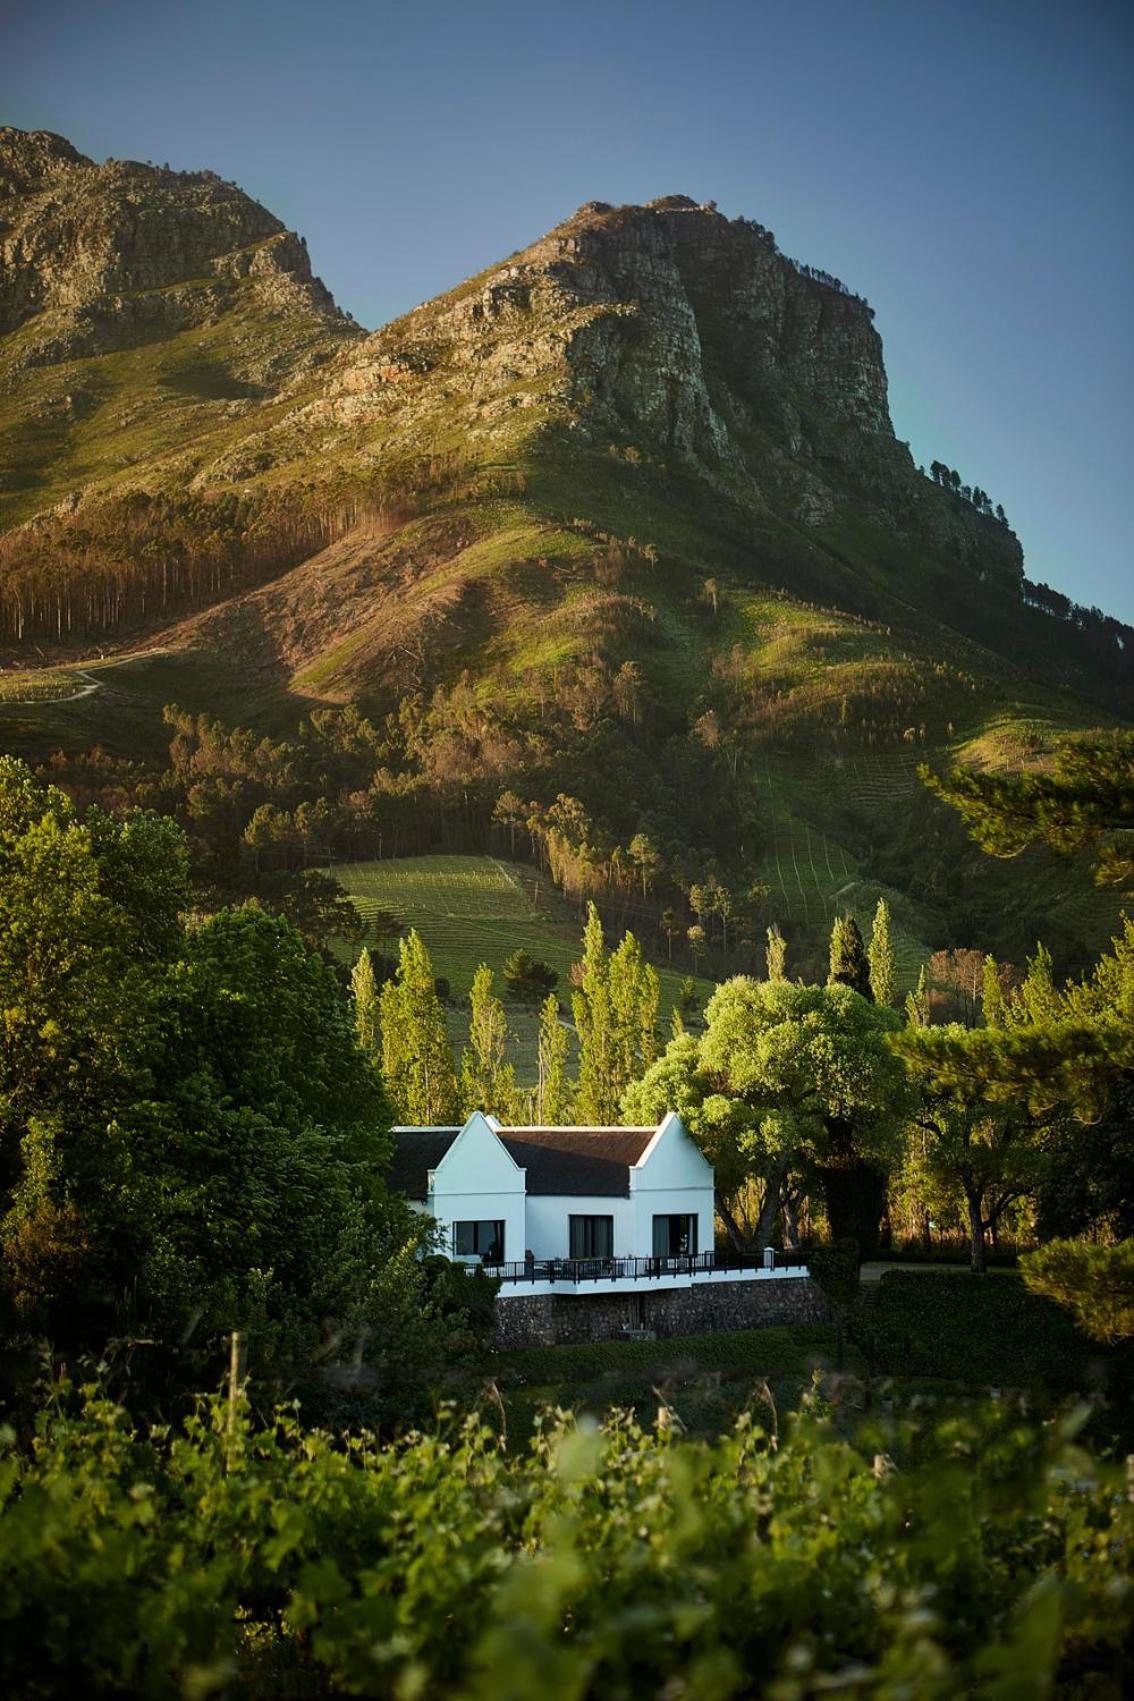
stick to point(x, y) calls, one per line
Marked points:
point(575, 1272)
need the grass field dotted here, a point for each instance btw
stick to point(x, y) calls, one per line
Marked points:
point(478, 909)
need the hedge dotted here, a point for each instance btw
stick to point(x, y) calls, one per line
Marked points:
point(966, 1328)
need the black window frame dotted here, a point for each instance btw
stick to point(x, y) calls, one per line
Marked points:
point(482, 1244)
point(581, 1239)
point(689, 1218)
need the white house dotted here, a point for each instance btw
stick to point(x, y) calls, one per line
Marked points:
point(552, 1208)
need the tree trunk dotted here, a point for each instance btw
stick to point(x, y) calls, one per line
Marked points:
point(732, 1227)
point(769, 1210)
point(976, 1232)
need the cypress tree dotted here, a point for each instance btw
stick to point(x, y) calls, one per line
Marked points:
point(849, 966)
point(992, 996)
point(776, 954)
point(417, 1059)
point(883, 979)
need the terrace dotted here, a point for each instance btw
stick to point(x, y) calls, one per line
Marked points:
point(540, 1276)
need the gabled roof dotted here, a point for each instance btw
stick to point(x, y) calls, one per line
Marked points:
point(568, 1161)
point(416, 1152)
point(577, 1160)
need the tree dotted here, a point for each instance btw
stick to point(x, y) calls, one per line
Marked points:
point(553, 1087)
point(527, 977)
point(1072, 1046)
point(615, 1009)
point(785, 1076)
point(364, 991)
point(671, 927)
point(849, 965)
point(417, 1060)
point(646, 857)
point(1085, 802)
point(487, 1082)
point(1094, 1283)
point(776, 954)
point(989, 1152)
point(883, 979)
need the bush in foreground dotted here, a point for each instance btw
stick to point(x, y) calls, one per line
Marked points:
point(215, 1559)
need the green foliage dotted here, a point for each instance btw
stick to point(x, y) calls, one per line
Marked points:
point(616, 1012)
point(849, 963)
point(364, 992)
point(1094, 1283)
point(1072, 1045)
point(554, 1095)
point(987, 1330)
point(417, 1060)
point(785, 1076)
point(211, 1555)
point(883, 976)
point(193, 1140)
point(488, 1083)
point(1086, 801)
point(776, 955)
point(527, 977)
point(835, 1268)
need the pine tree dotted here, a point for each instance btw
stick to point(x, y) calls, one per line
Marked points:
point(776, 954)
point(364, 992)
point(487, 1082)
point(849, 966)
point(553, 1092)
point(883, 980)
point(417, 1059)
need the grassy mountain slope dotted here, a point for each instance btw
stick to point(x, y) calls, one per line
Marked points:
point(623, 518)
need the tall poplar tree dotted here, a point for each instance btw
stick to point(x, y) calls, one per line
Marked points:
point(417, 1059)
point(487, 1081)
point(849, 966)
point(553, 1089)
point(776, 954)
point(883, 976)
point(364, 992)
point(616, 1016)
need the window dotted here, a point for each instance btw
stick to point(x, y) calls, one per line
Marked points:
point(479, 1240)
point(675, 1237)
point(592, 1237)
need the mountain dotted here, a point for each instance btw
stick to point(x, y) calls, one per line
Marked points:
point(623, 518)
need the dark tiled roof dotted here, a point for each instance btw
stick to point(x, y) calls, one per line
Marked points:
point(416, 1152)
point(577, 1160)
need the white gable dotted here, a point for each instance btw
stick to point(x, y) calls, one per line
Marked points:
point(672, 1160)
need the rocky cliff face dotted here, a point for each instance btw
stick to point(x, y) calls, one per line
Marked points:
point(673, 333)
point(81, 244)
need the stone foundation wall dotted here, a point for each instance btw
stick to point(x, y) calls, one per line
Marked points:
point(554, 1320)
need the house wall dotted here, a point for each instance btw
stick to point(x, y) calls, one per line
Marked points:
point(560, 1320)
point(672, 1178)
point(478, 1180)
point(549, 1228)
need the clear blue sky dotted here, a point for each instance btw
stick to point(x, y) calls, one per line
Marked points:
point(965, 164)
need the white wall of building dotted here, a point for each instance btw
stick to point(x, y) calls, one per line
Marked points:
point(672, 1178)
point(478, 1180)
point(549, 1223)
